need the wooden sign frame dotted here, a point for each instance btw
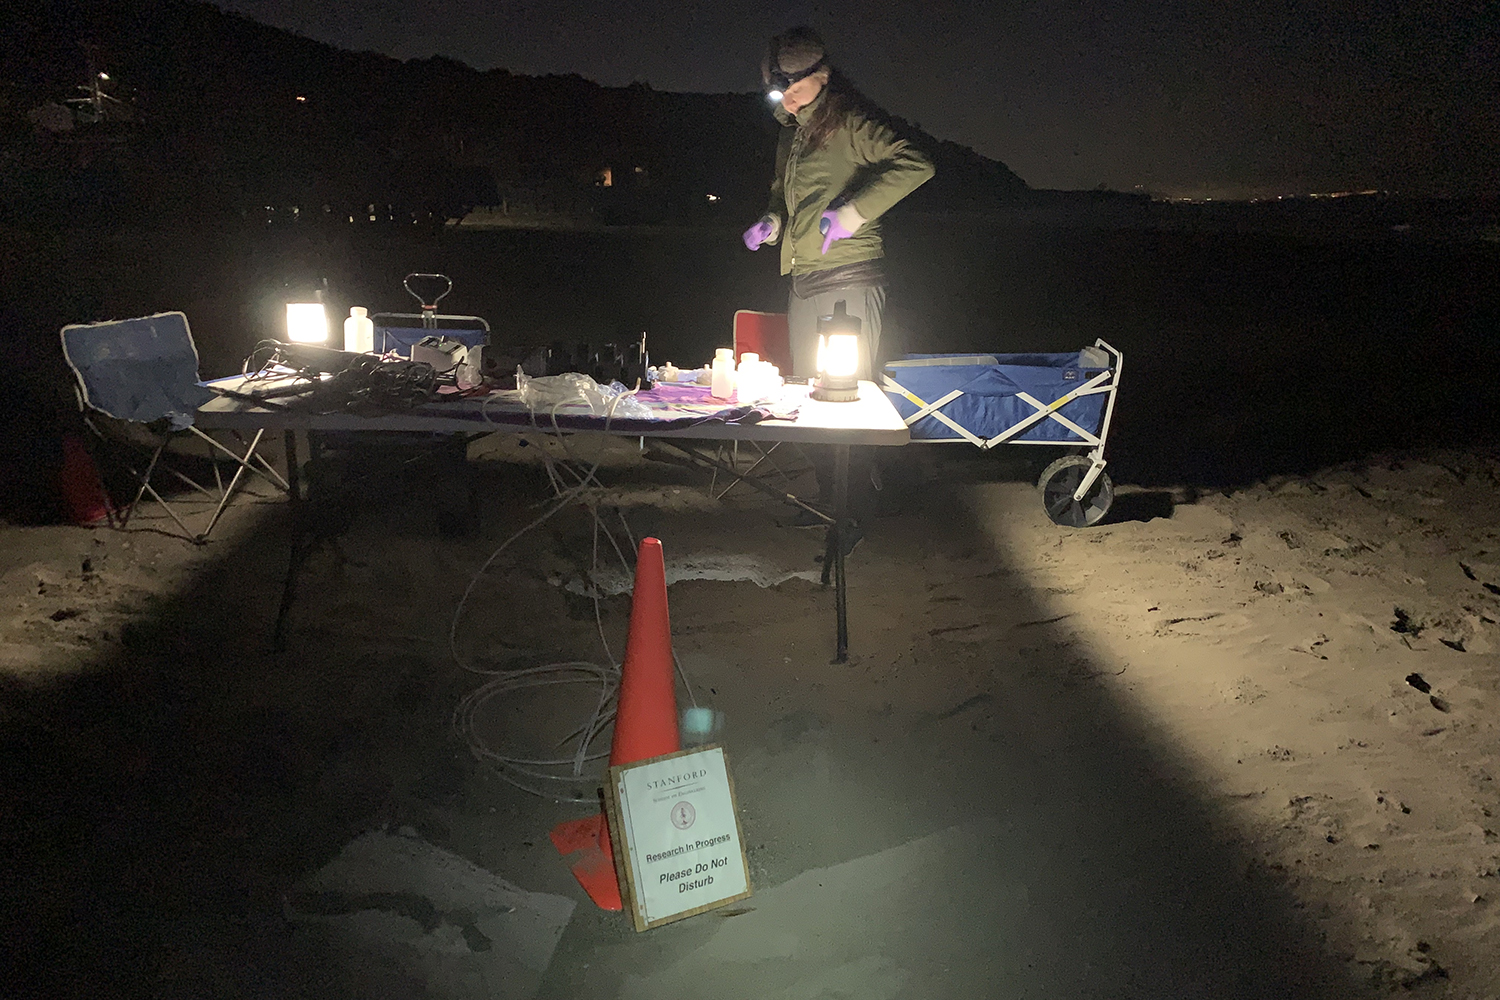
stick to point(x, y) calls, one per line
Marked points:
point(620, 838)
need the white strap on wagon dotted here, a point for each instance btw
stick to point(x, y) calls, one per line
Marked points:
point(1081, 479)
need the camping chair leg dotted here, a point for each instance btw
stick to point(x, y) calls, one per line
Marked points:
point(196, 539)
point(218, 479)
point(121, 518)
point(146, 485)
point(270, 472)
point(144, 481)
point(226, 493)
point(274, 475)
point(190, 483)
point(117, 516)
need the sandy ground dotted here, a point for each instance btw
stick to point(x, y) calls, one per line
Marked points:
point(1228, 745)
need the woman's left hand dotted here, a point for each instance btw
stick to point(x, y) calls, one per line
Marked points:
point(832, 229)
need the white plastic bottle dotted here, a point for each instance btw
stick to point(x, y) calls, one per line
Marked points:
point(722, 384)
point(744, 377)
point(359, 331)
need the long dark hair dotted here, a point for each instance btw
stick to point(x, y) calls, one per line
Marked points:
point(840, 99)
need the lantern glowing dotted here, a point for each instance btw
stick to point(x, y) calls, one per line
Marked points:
point(306, 323)
point(840, 354)
point(838, 357)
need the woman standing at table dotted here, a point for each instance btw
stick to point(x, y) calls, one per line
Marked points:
point(836, 160)
point(839, 167)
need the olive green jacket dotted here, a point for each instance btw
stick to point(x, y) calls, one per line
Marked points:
point(864, 162)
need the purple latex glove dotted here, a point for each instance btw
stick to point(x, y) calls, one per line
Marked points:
point(757, 234)
point(832, 229)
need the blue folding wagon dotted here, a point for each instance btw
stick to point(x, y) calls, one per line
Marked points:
point(1038, 399)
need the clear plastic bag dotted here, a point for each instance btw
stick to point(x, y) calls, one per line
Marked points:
point(624, 405)
point(550, 393)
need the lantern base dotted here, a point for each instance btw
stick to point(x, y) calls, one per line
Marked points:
point(835, 393)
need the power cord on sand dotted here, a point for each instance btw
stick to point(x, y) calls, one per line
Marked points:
point(540, 775)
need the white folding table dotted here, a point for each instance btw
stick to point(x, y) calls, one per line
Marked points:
point(870, 420)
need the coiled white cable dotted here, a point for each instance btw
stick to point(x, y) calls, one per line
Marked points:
point(539, 775)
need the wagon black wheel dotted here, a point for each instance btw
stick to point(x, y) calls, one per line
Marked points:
point(1058, 484)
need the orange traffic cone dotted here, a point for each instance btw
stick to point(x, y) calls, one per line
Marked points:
point(645, 721)
point(78, 480)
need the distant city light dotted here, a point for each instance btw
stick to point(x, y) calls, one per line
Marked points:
point(301, 99)
point(104, 76)
point(1234, 197)
point(713, 197)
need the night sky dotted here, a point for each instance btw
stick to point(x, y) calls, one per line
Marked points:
point(1182, 97)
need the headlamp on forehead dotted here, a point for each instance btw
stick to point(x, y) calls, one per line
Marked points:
point(780, 81)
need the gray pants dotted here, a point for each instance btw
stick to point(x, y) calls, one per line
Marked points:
point(866, 302)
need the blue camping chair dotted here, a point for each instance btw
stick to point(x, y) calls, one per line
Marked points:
point(144, 372)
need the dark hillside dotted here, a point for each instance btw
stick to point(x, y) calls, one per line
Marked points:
point(211, 112)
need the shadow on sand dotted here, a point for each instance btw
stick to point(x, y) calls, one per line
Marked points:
point(1014, 827)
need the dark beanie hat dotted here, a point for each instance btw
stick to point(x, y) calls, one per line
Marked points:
point(793, 53)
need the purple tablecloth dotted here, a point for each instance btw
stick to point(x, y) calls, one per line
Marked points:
point(675, 406)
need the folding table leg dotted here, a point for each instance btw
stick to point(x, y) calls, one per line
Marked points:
point(765, 456)
point(833, 550)
point(768, 490)
point(833, 553)
point(298, 548)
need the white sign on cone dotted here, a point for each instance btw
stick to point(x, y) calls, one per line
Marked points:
point(678, 849)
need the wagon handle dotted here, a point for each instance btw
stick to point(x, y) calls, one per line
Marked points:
point(429, 309)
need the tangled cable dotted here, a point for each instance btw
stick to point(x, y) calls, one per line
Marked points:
point(544, 776)
point(370, 382)
point(358, 383)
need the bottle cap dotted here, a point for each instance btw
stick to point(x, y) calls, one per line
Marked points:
point(357, 310)
point(727, 353)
